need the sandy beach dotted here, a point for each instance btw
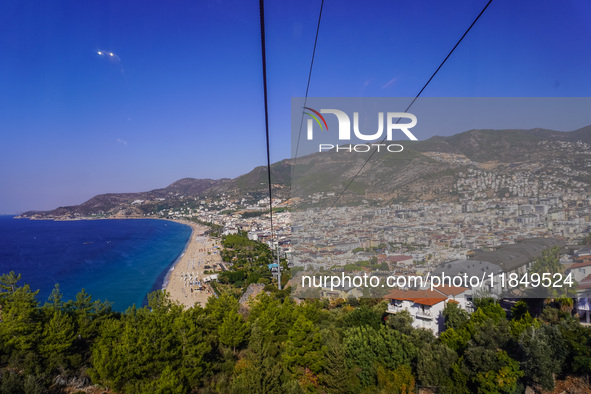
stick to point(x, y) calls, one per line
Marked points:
point(187, 281)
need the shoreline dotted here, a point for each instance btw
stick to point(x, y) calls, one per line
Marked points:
point(172, 266)
point(183, 287)
point(163, 277)
point(185, 279)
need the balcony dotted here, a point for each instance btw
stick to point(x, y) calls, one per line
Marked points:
point(394, 308)
point(426, 314)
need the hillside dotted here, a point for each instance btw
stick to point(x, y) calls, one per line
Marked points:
point(431, 170)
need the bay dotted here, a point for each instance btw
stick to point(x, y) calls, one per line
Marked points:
point(119, 260)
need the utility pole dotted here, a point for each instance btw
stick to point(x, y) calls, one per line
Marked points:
point(278, 268)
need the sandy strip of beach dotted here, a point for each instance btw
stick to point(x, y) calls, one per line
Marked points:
point(186, 281)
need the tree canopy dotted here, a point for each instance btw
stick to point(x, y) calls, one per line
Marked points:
point(278, 346)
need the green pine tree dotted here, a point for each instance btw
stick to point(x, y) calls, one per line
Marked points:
point(233, 330)
point(57, 339)
point(335, 374)
point(303, 351)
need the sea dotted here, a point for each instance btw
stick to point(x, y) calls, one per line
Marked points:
point(119, 260)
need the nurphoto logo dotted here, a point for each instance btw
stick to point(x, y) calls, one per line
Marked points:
point(391, 124)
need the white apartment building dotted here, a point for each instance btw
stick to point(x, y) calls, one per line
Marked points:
point(426, 305)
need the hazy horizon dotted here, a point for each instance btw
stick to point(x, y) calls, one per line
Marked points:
point(181, 94)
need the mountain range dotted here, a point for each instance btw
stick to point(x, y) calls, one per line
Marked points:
point(424, 170)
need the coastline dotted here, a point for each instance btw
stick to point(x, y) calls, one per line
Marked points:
point(120, 261)
point(185, 278)
point(163, 278)
point(162, 284)
point(184, 286)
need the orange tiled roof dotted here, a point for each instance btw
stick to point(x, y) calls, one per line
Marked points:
point(579, 265)
point(585, 283)
point(423, 297)
point(429, 301)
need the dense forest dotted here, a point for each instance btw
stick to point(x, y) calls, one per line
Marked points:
point(278, 345)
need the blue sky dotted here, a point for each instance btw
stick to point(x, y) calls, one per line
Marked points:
point(183, 95)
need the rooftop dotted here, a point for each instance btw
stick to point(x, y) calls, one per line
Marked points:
point(510, 257)
point(450, 290)
point(422, 297)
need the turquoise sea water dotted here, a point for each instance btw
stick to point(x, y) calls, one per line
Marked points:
point(118, 260)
